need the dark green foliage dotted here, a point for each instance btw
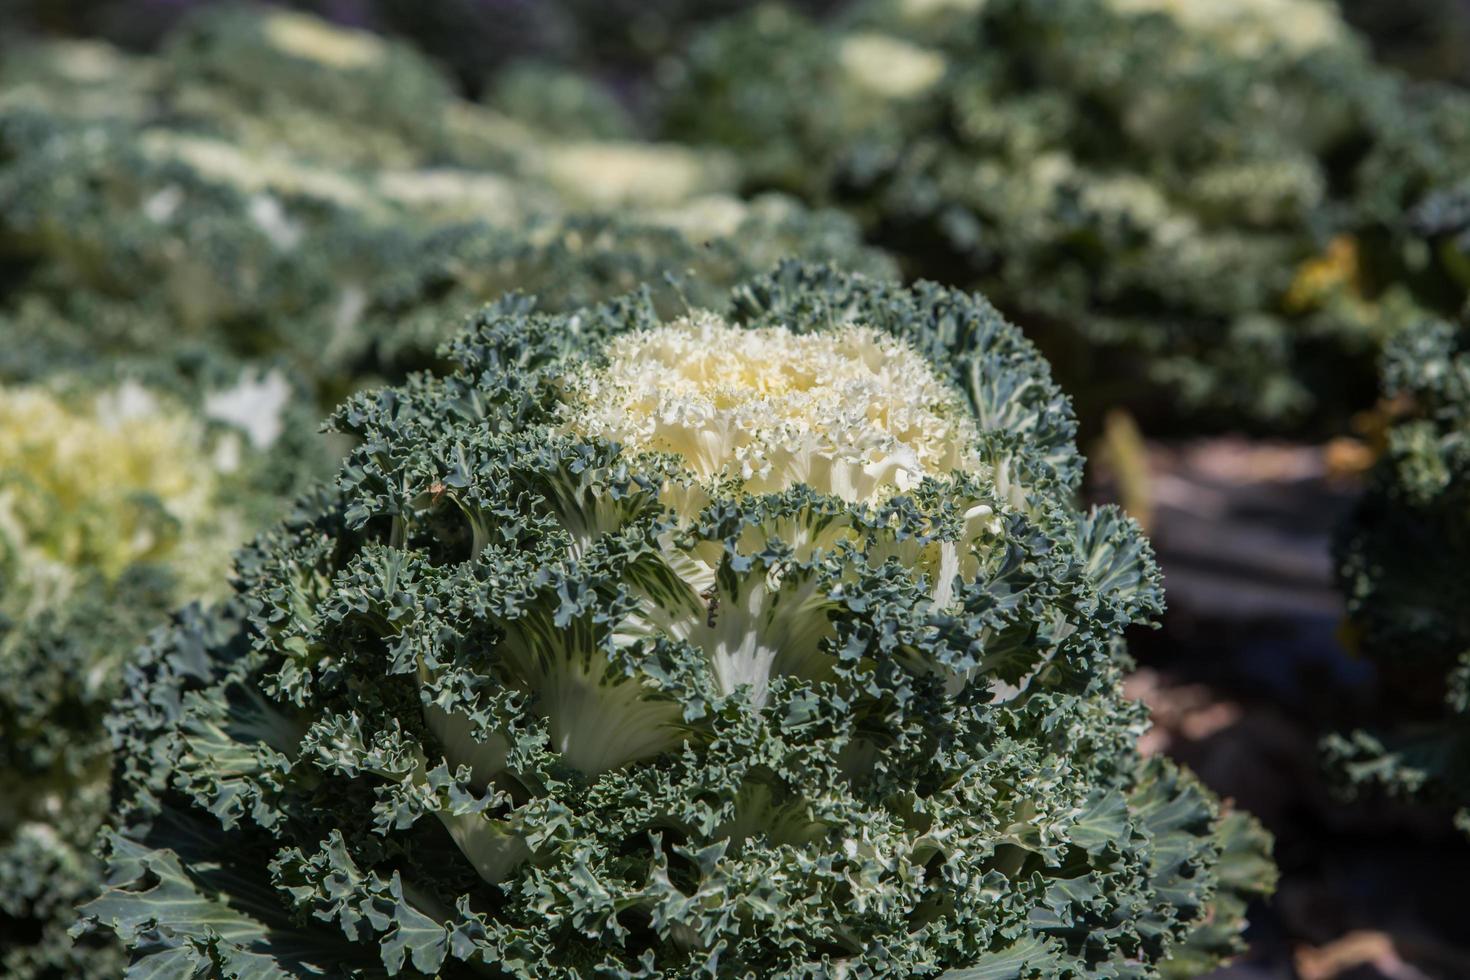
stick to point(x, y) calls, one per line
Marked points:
point(58, 675)
point(379, 758)
point(560, 101)
point(283, 66)
point(1426, 38)
point(1403, 557)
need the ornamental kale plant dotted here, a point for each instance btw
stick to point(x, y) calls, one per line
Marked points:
point(759, 642)
point(120, 252)
point(115, 507)
point(1402, 558)
point(149, 204)
point(1211, 192)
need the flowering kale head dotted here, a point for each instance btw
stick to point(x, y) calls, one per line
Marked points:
point(766, 642)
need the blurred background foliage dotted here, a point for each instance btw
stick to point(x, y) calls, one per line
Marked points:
point(1216, 204)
